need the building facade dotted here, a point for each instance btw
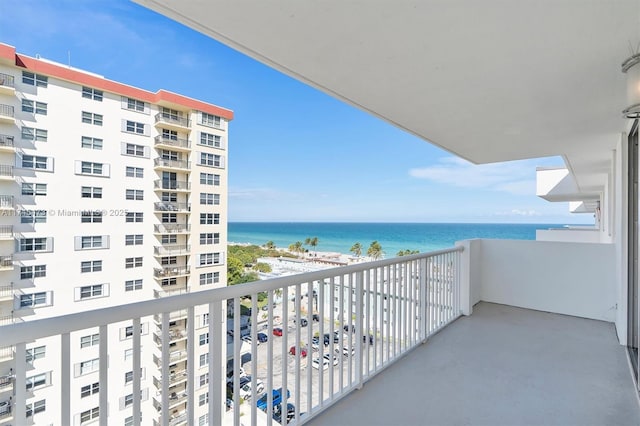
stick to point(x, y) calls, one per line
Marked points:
point(109, 194)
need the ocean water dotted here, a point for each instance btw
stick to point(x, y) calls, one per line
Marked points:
point(393, 237)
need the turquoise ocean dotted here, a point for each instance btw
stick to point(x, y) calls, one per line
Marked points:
point(393, 237)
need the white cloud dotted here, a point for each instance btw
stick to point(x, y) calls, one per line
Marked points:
point(520, 212)
point(260, 194)
point(515, 177)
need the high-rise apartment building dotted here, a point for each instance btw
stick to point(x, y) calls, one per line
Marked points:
point(109, 194)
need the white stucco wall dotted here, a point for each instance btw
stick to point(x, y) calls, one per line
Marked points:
point(567, 278)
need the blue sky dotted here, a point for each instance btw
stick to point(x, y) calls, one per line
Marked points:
point(295, 154)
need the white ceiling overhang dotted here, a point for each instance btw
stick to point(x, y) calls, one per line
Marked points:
point(486, 80)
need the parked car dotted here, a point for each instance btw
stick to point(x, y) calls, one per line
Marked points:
point(245, 387)
point(346, 328)
point(327, 338)
point(277, 412)
point(371, 339)
point(277, 331)
point(230, 374)
point(346, 351)
point(303, 322)
point(331, 358)
point(229, 404)
point(247, 339)
point(262, 337)
point(303, 351)
point(316, 317)
point(277, 399)
point(317, 362)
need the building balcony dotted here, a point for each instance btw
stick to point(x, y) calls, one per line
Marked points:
point(172, 121)
point(6, 172)
point(6, 232)
point(173, 316)
point(171, 207)
point(6, 263)
point(6, 292)
point(7, 84)
point(7, 352)
point(171, 185)
point(174, 144)
point(6, 383)
point(172, 249)
point(171, 228)
point(176, 378)
point(175, 334)
point(170, 290)
point(7, 114)
point(171, 271)
point(5, 410)
point(7, 143)
point(516, 332)
point(166, 164)
point(6, 201)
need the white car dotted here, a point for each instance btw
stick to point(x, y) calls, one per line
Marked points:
point(346, 351)
point(245, 387)
point(329, 358)
point(316, 363)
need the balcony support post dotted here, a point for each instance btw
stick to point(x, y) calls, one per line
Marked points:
point(65, 379)
point(20, 385)
point(103, 373)
point(465, 278)
point(191, 365)
point(359, 324)
point(137, 347)
point(217, 346)
point(164, 398)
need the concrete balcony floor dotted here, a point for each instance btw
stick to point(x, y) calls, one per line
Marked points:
point(501, 366)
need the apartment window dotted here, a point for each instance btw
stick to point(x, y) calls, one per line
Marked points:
point(210, 160)
point(129, 420)
point(92, 291)
point(169, 155)
point(91, 118)
point(91, 266)
point(33, 244)
point(34, 107)
point(135, 105)
point(209, 218)
point(128, 354)
point(133, 240)
point(210, 238)
point(136, 172)
point(33, 134)
point(203, 399)
point(209, 179)
point(131, 285)
point(91, 93)
point(169, 134)
point(203, 420)
point(134, 194)
point(135, 150)
point(169, 218)
point(35, 353)
point(89, 390)
point(133, 262)
point(204, 379)
point(39, 380)
point(91, 241)
point(33, 300)
point(169, 281)
point(91, 217)
point(34, 189)
point(203, 339)
point(36, 407)
point(134, 127)
point(34, 79)
point(209, 199)
point(205, 319)
point(91, 143)
point(169, 239)
point(34, 162)
point(91, 192)
point(91, 340)
point(209, 278)
point(33, 271)
point(209, 259)
point(33, 216)
point(89, 415)
point(208, 139)
point(90, 168)
point(210, 120)
point(128, 377)
point(171, 197)
point(169, 260)
point(204, 360)
point(128, 400)
point(171, 113)
point(133, 217)
point(90, 366)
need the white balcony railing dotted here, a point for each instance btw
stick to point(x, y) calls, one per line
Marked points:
point(378, 310)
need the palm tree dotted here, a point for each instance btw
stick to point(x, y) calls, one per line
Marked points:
point(375, 251)
point(270, 245)
point(356, 249)
point(311, 241)
point(296, 247)
point(407, 252)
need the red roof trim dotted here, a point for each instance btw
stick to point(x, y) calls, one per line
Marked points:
point(57, 71)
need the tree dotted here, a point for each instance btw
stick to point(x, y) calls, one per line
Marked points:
point(407, 252)
point(356, 249)
point(375, 251)
point(262, 267)
point(296, 247)
point(311, 241)
point(269, 245)
point(235, 269)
